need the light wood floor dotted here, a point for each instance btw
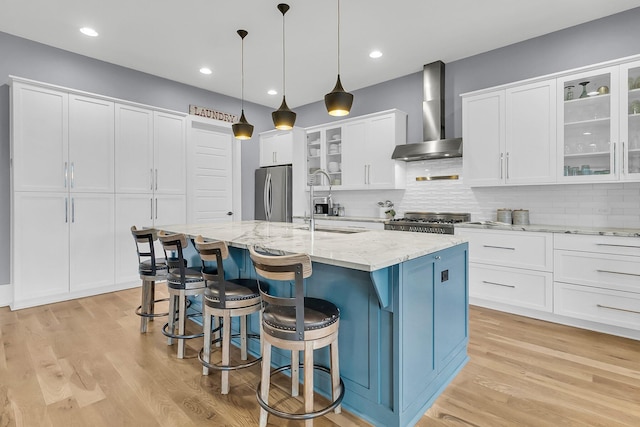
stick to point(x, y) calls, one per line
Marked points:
point(84, 363)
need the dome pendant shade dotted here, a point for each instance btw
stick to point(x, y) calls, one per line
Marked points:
point(242, 129)
point(283, 117)
point(338, 102)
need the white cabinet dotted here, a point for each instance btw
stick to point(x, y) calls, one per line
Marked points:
point(597, 278)
point(630, 121)
point(357, 152)
point(169, 135)
point(510, 136)
point(276, 147)
point(509, 270)
point(135, 168)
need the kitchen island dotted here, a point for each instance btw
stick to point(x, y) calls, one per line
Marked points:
point(403, 300)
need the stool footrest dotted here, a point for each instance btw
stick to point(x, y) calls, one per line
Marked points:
point(139, 310)
point(300, 416)
point(219, 367)
point(182, 337)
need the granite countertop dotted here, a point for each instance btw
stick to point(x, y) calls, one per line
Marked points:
point(366, 250)
point(594, 231)
point(346, 218)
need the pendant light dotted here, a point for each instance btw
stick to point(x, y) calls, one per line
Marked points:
point(338, 102)
point(242, 129)
point(283, 117)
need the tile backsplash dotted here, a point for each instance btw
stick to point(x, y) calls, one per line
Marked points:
point(599, 205)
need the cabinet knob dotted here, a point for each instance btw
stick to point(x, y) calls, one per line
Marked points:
point(229, 213)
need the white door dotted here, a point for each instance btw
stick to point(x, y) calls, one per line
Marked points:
point(169, 153)
point(210, 174)
point(131, 209)
point(531, 133)
point(40, 138)
point(91, 147)
point(483, 132)
point(41, 245)
point(134, 149)
point(91, 241)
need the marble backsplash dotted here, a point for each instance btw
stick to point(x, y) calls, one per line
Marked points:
point(593, 205)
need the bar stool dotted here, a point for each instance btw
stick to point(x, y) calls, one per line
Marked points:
point(224, 299)
point(181, 282)
point(151, 271)
point(297, 324)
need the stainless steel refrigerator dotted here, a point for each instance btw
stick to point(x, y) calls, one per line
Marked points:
point(273, 194)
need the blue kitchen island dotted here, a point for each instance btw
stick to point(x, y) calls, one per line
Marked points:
point(403, 300)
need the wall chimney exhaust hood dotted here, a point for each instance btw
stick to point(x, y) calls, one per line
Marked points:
point(435, 145)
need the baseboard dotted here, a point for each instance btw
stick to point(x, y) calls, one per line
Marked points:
point(6, 295)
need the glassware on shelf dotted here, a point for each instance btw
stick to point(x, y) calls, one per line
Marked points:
point(569, 94)
point(584, 89)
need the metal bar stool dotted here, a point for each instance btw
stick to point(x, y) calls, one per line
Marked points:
point(151, 271)
point(181, 282)
point(296, 323)
point(224, 299)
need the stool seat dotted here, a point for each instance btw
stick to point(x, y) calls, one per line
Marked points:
point(235, 290)
point(280, 321)
point(192, 279)
point(146, 267)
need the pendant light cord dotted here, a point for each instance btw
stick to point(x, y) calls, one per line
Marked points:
point(284, 70)
point(338, 37)
point(242, 80)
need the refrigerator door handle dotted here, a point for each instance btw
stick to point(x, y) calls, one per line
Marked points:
point(268, 198)
point(265, 191)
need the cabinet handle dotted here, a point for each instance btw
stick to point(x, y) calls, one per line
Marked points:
point(365, 174)
point(618, 246)
point(151, 173)
point(156, 207)
point(66, 210)
point(151, 209)
point(618, 272)
point(368, 174)
point(499, 247)
point(72, 176)
point(507, 165)
point(623, 158)
point(498, 284)
point(501, 160)
point(156, 181)
point(66, 173)
point(614, 158)
point(73, 209)
point(617, 309)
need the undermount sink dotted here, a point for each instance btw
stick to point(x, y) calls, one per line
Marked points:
point(335, 230)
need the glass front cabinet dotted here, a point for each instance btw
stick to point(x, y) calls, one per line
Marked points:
point(324, 151)
point(599, 125)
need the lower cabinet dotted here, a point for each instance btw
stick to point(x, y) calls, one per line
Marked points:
point(63, 245)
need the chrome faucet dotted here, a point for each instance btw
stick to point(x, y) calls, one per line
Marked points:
point(312, 222)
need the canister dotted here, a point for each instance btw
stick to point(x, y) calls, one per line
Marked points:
point(504, 215)
point(520, 217)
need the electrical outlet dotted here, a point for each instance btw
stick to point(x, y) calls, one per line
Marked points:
point(603, 211)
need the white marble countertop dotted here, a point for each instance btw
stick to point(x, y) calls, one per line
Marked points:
point(346, 218)
point(366, 250)
point(596, 231)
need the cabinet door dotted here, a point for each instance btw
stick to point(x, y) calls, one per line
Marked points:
point(169, 209)
point(588, 141)
point(531, 133)
point(381, 138)
point(355, 173)
point(315, 147)
point(483, 133)
point(91, 144)
point(276, 148)
point(40, 139)
point(131, 209)
point(134, 149)
point(169, 153)
point(630, 121)
point(92, 242)
point(40, 245)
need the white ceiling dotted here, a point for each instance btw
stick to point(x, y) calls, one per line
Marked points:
point(174, 39)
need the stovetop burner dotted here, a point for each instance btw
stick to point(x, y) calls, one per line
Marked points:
point(428, 222)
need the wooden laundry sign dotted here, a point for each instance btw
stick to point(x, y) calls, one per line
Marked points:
point(212, 114)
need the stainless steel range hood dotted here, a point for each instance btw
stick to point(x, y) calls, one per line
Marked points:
point(435, 145)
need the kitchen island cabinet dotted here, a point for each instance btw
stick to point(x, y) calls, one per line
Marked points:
point(403, 308)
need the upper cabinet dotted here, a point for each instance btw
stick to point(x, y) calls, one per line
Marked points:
point(630, 120)
point(510, 135)
point(276, 147)
point(356, 153)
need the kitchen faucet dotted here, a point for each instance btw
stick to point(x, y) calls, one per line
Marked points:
point(312, 222)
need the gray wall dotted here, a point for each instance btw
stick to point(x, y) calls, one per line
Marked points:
point(24, 58)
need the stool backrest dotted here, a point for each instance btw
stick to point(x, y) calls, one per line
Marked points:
point(212, 254)
point(144, 245)
point(174, 243)
point(296, 268)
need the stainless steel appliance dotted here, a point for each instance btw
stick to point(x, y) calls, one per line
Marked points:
point(322, 206)
point(428, 222)
point(273, 194)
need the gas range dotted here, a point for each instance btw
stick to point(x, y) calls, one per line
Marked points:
point(427, 222)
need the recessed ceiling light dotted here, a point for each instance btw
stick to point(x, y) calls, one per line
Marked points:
point(205, 70)
point(89, 32)
point(272, 92)
point(375, 54)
